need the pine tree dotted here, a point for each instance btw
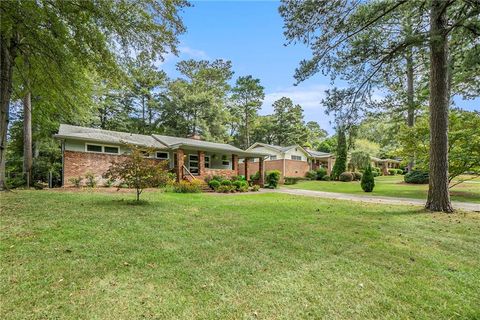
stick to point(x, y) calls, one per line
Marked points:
point(368, 181)
point(340, 165)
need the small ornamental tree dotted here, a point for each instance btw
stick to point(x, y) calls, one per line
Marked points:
point(359, 160)
point(137, 171)
point(368, 181)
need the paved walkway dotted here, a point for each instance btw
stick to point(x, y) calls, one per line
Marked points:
point(468, 206)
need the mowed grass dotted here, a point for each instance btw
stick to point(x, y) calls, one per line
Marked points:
point(393, 186)
point(89, 255)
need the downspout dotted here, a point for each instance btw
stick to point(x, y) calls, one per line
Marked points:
point(283, 172)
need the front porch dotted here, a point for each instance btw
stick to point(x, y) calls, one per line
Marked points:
point(199, 164)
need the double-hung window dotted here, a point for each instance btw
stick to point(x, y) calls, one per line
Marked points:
point(299, 158)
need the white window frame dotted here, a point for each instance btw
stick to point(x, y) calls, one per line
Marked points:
point(205, 161)
point(293, 155)
point(197, 161)
point(157, 157)
point(273, 158)
point(226, 160)
point(102, 146)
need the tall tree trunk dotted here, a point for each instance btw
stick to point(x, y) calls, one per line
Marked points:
point(247, 133)
point(410, 99)
point(27, 137)
point(438, 193)
point(7, 57)
point(143, 114)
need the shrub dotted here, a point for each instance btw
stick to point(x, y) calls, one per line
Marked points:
point(399, 171)
point(368, 181)
point(187, 187)
point(91, 182)
point(255, 188)
point(239, 184)
point(238, 178)
point(375, 173)
point(108, 183)
point(292, 180)
point(377, 169)
point(272, 178)
point(214, 184)
point(15, 182)
point(357, 176)
point(255, 177)
point(243, 187)
point(218, 178)
point(392, 172)
point(226, 183)
point(76, 181)
point(311, 175)
point(226, 188)
point(326, 178)
point(346, 177)
point(321, 172)
point(416, 177)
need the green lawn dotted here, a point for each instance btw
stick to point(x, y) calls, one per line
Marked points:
point(393, 186)
point(258, 256)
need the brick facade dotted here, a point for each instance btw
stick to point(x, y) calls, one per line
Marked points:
point(78, 164)
point(292, 168)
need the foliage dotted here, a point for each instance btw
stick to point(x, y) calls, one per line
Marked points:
point(76, 181)
point(240, 185)
point(359, 160)
point(255, 176)
point(326, 178)
point(315, 135)
point(255, 188)
point(368, 181)
point(184, 186)
point(341, 159)
point(464, 142)
point(214, 184)
point(289, 126)
point(91, 180)
point(366, 146)
point(392, 172)
point(226, 188)
point(399, 171)
point(292, 180)
point(247, 97)
point(311, 175)
point(328, 145)
point(321, 172)
point(416, 177)
point(137, 171)
point(108, 183)
point(196, 103)
point(346, 177)
point(357, 176)
point(272, 178)
point(226, 183)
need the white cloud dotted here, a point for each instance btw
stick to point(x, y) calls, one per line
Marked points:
point(193, 53)
point(309, 97)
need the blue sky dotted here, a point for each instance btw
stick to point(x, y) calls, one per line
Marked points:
point(250, 34)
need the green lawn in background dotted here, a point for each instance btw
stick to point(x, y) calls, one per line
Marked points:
point(91, 255)
point(393, 186)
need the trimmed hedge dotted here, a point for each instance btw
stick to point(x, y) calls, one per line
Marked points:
point(346, 177)
point(416, 177)
point(272, 178)
point(214, 184)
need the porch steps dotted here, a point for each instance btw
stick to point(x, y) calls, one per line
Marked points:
point(203, 186)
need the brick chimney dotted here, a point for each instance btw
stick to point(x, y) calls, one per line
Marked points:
point(194, 136)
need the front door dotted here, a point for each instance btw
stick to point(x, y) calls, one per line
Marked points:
point(193, 164)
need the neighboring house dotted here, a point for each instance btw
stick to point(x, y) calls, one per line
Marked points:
point(87, 150)
point(385, 164)
point(291, 161)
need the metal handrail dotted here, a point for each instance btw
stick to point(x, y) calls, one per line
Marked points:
point(188, 171)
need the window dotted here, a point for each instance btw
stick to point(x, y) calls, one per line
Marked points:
point(94, 148)
point(225, 161)
point(145, 154)
point(110, 149)
point(273, 157)
point(207, 161)
point(297, 158)
point(162, 155)
point(193, 163)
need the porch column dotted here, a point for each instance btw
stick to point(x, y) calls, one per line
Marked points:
point(235, 164)
point(329, 165)
point(245, 162)
point(385, 168)
point(201, 163)
point(179, 165)
point(261, 170)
